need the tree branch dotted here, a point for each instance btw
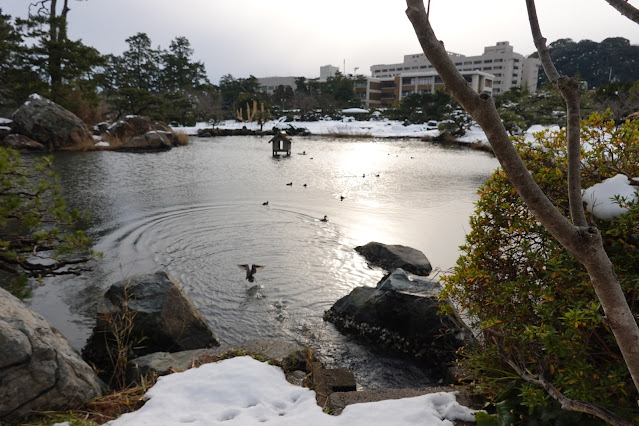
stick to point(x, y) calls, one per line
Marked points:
point(626, 9)
point(585, 243)
point(482, 109)
point(567, 403)
point(569, 89)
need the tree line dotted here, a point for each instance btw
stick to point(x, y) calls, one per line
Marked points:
point(36, 56)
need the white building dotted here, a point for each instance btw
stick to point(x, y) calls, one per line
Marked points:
point(509, 68)
point(328, 71)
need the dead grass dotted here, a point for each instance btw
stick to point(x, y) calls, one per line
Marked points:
point(182, 138)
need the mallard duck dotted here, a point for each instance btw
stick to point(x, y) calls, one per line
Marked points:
point(250, 271)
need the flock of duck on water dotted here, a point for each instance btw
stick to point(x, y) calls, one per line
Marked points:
point(252, 269)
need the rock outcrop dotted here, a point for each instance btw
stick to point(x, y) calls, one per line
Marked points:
point(403, 315)
point(14, 141)
point(135, 133)
point(38, 368)
point(150, 141)
point(163, 319)
point(391, 257)
point(51, 125)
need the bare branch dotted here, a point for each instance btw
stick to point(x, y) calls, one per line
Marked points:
point(626, 9)
point(569, 89)
point(567, 403)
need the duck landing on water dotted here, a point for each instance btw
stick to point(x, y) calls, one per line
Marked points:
point(250, 271)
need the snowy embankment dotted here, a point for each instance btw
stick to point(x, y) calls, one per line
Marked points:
point(243, 391)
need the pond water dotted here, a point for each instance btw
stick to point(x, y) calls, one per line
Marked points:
point(197, 212)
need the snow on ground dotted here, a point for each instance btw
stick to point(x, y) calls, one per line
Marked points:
point(348, 126)
point(243, 391)
point(599, 198)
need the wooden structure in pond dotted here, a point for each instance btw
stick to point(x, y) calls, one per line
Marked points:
point(281, 144)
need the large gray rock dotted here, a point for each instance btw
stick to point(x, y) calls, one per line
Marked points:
point(21, 142)
point(391, 257)
point(137, 133)
point(150, 141)
point(164, 319)
point(407, 322)
point(53, 126)
point(38, 368)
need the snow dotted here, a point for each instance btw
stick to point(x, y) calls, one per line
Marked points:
point(373, 129)
point(355, 111)
point(5, 120)
point(243, 391)
point(599, 198)
point(6, 128)
point(102, 143)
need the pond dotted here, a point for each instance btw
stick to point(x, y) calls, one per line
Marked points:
point(198, 211)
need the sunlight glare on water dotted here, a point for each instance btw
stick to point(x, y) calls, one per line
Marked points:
point(197, 212)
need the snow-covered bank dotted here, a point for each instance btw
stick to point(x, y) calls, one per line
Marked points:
point(373, 129)
point(243, 391)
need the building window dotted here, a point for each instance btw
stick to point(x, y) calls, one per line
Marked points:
point(457, 64)
point(477, 62)
point(516, 60)
point(488, 61)
point(391, 69)
point(498, 67)
point(499, 60)
point(514, 82)
point(515, 67)
point(488, 68)
point(423, 81)
point(384, 70)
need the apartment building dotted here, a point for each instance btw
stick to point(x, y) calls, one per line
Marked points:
point(381, 92)
point(510, 69)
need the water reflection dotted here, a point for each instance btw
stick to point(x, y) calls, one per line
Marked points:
point(198, 211)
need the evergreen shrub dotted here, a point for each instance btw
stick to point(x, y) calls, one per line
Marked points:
point(530, 301)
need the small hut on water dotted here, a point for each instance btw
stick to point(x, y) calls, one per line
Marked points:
point(281, 144)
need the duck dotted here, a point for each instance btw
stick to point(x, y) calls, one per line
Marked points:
point(304, 185)
point(290, 184)
point(250, 271)
point(325, 219)
point(341, 198)
point(265, 203)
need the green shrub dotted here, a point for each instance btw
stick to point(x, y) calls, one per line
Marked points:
point(530, 300)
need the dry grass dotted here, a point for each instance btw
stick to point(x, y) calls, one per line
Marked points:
point(182, 138)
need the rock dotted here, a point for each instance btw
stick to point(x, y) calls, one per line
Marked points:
point(399, 280)
point(137, 133)
point(290, 355)
point(163, 363)
point(164, 319)
point(408, 323)
point(53, 126)
point(150, 141)
point(391, 257)
point(130, 127)
point(38, 368)
point(14, 141)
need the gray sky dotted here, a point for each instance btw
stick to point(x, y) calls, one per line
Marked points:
point(295, 37)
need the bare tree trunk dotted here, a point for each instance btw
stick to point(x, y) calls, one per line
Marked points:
point(626, 9)
point(585, 243)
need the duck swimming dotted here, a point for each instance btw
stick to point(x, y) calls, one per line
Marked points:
point(250, 271)
point(265, 203)
point(325, 219)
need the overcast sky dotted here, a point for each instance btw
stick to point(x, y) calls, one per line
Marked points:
point(295, 37)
